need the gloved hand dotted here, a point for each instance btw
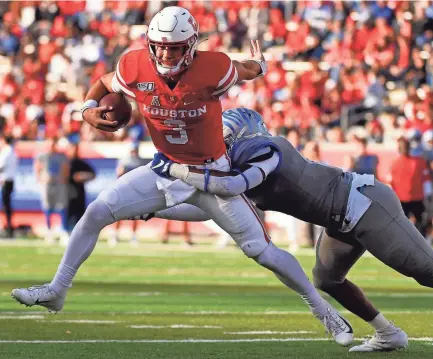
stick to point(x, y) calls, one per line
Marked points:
point(161, 165)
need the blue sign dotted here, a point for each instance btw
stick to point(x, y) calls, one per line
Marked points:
point(26, 195)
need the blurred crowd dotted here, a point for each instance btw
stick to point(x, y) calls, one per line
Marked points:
point(336, 69)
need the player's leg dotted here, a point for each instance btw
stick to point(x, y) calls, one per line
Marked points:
point(186, 233)
point(134, 240)
point(181, 212)
point(418, 210)
point(389, 235)
point(334, 258)
point(386, 233)
point(131, 195)
point(48, 204)
point(236, 216)
point(114, 238)
point(7, 189)
point(62, 208)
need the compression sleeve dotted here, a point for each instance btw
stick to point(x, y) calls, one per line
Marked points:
point(227, 184)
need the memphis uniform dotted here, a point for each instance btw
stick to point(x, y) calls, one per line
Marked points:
point(359, 212)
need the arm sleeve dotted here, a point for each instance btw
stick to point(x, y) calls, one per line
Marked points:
point(226, 184)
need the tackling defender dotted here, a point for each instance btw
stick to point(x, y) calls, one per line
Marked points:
point(177, 89)
point(359, 213)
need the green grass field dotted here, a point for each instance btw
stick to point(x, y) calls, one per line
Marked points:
point(168, 302)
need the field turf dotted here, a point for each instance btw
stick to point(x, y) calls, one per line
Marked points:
point(164, 301)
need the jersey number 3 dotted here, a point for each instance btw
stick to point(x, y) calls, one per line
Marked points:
point(178, 126)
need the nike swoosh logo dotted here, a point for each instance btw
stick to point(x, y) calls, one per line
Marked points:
point(38, 302)
point(347, 323)
point(188, 103)
point(158, 165)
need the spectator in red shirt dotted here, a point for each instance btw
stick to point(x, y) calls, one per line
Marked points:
point(8, 88)
point(411, 181)
point(312, 82)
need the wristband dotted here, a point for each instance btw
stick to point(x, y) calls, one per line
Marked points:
point(88, 104)
point(263, 67)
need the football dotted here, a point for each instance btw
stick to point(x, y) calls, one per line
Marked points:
point(122, 109)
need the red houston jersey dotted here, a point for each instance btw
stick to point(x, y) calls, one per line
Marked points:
point(184, 123)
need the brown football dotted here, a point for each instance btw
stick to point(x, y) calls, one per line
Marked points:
point(122, 109)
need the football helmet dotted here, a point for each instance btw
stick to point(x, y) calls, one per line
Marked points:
point(239, 122)
point(173, 26)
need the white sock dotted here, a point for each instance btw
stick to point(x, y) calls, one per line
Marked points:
point(81, 244)
point(288, 270)
point(380, 322)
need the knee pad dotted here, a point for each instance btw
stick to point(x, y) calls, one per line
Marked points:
point(252, 241)
point(98, 214)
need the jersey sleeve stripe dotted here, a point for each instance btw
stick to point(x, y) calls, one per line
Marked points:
point(124, 89)
point(231, 83)
point(226, 76)
point(121, 82)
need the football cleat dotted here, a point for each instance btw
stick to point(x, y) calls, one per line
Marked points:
point(41, 295)
point(391, 338)
point(336, 325)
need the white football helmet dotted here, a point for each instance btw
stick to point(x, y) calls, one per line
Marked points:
point(173, 26)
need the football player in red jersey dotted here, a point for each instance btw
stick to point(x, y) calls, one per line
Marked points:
point(177, 90)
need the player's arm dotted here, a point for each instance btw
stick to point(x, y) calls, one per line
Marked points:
point(92, 113)
point(235, 72)
point(254, 67)
point(227, 184)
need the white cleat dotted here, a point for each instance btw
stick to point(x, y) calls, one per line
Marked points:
point(41, 295)
point(391, 338)
point(336, 325)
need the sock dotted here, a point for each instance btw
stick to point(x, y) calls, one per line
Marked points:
point(288, 270)
point(349, 295)
point(380, 322)
point(81, 244)
point(48, 213)
point(64, 219)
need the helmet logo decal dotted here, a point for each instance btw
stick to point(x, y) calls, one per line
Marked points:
point(193, 23)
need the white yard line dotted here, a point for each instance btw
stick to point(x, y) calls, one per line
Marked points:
point(203, 312)
point(81, 321)
point(270, 332)
point(427, 339)
point(174, 326)
point(21, 317)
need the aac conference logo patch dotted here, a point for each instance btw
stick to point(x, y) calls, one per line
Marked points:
point(146, 86)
